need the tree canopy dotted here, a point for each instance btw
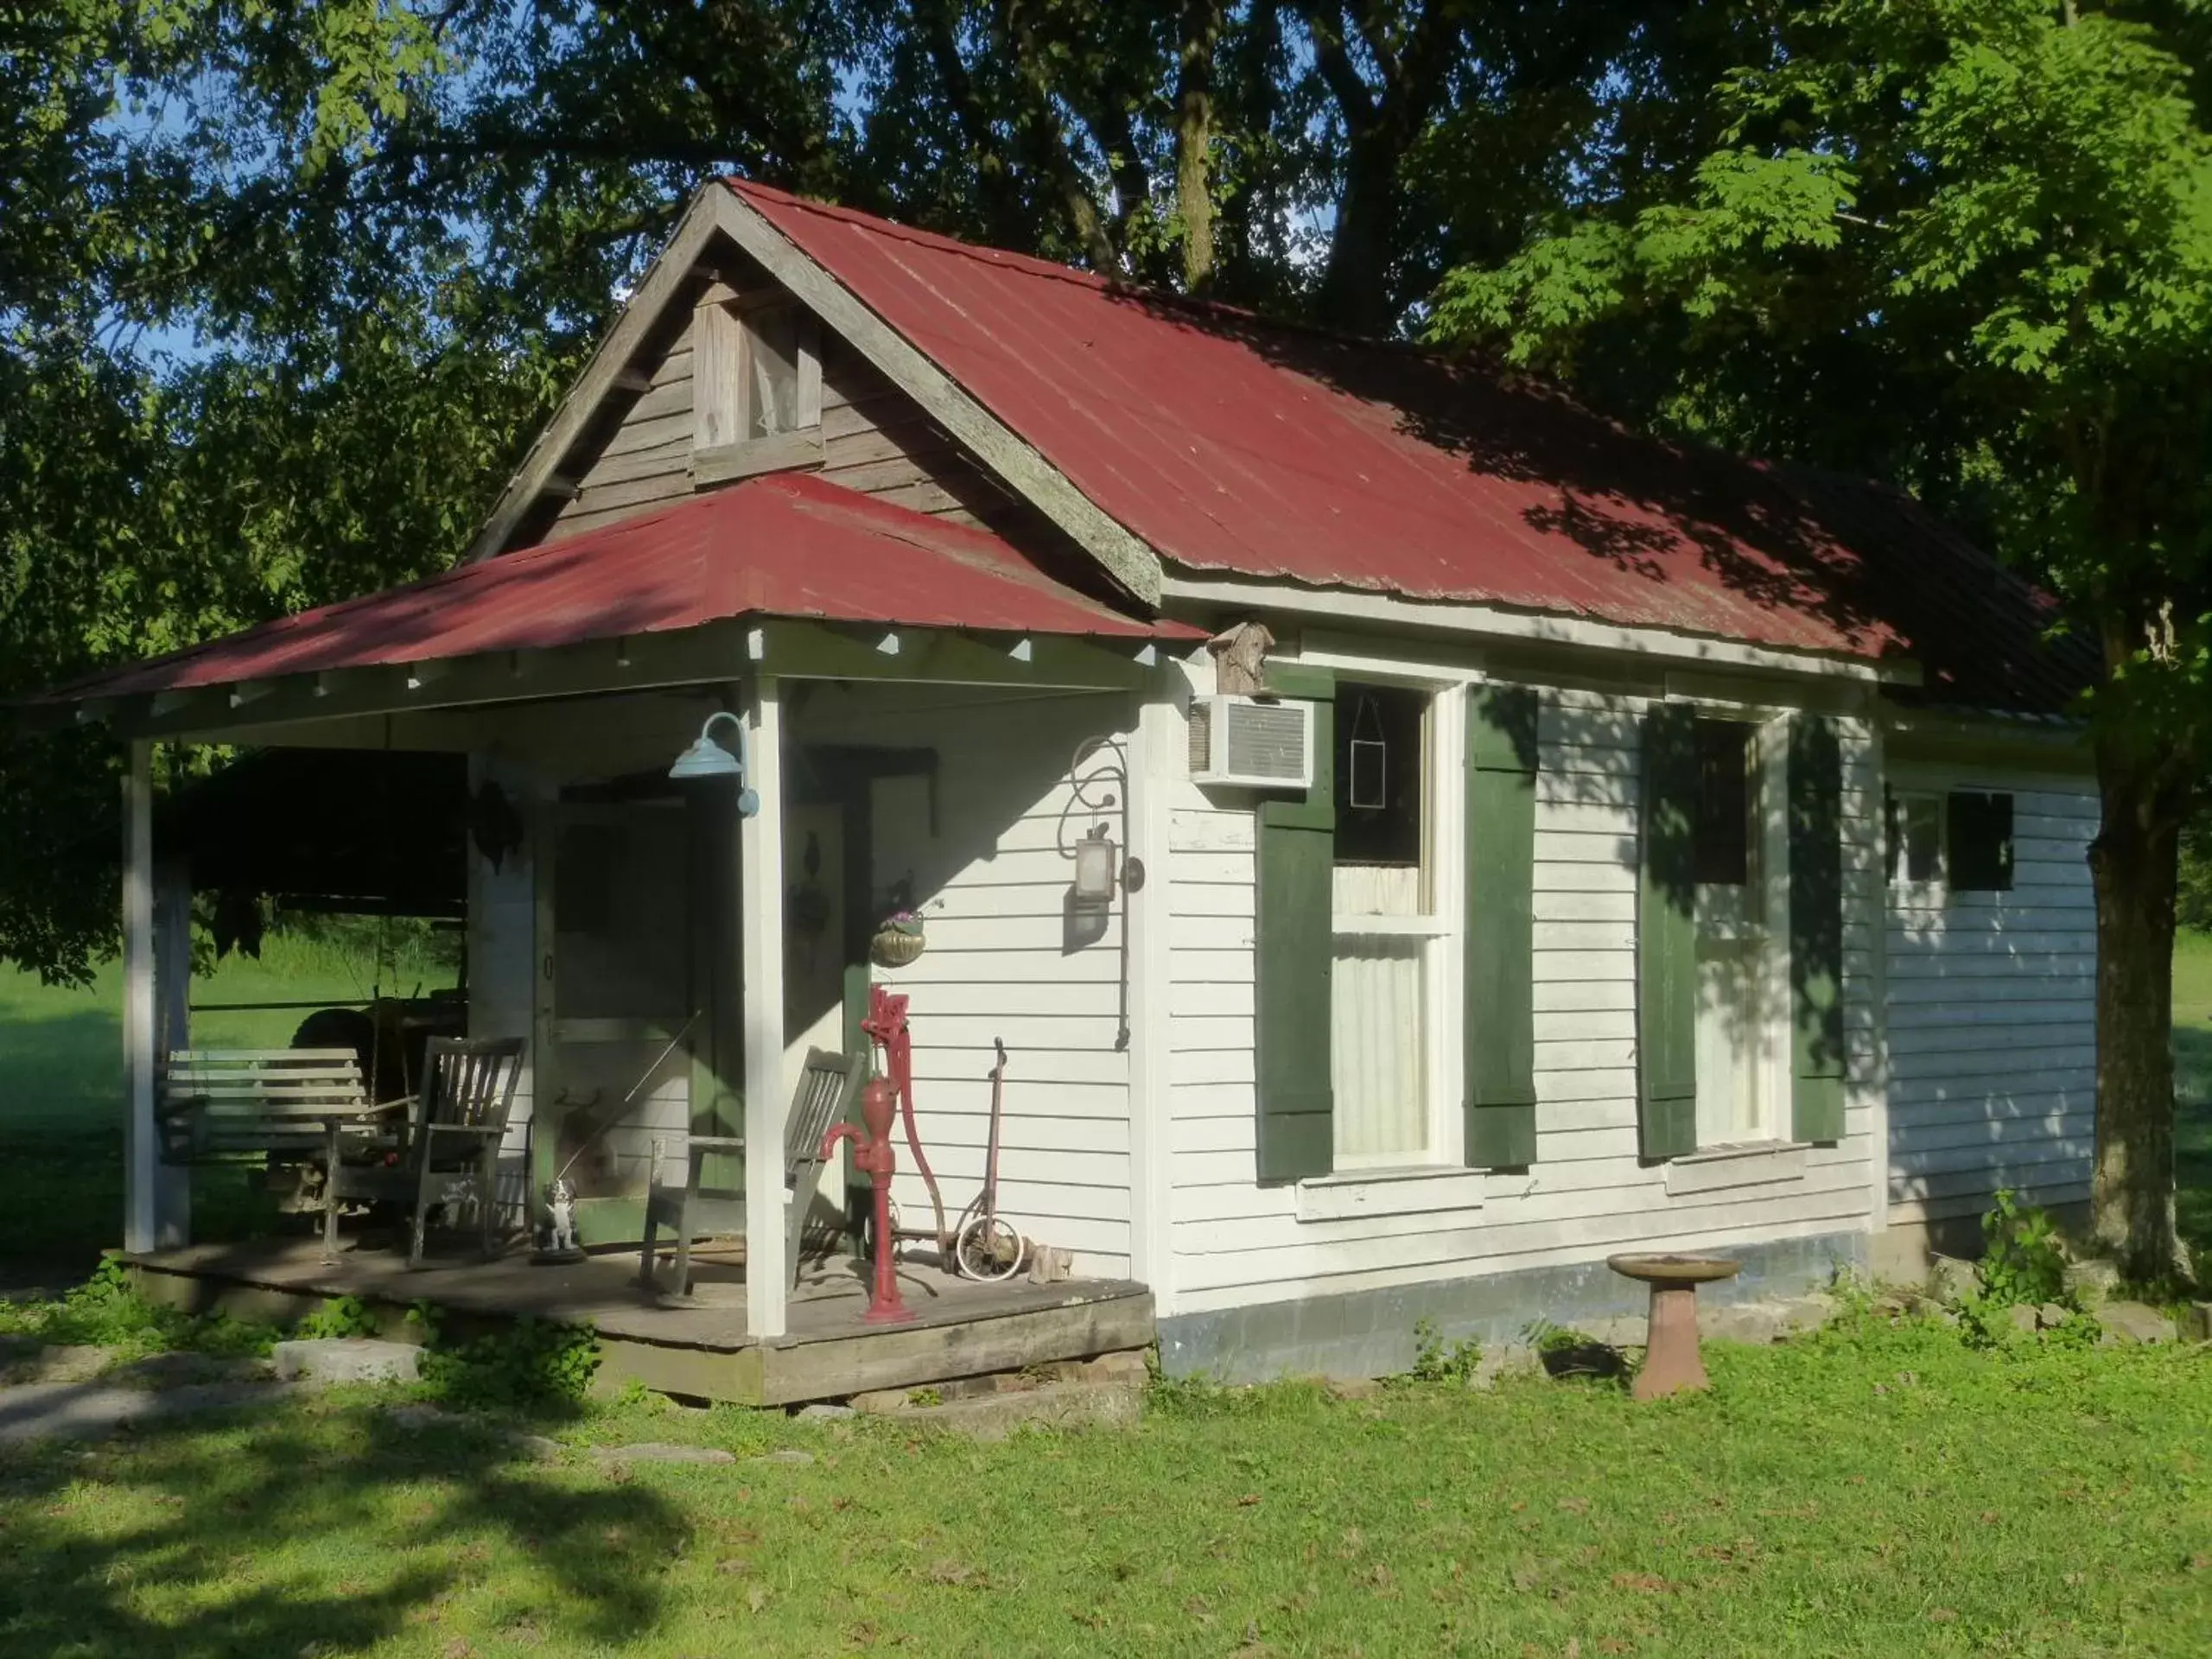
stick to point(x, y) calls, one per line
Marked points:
point(284, 289)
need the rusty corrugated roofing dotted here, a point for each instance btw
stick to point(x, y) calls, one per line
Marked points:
point(1235, 445)
point(789, 546)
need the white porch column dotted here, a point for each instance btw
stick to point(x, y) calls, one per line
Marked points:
point(172, 1029)
point(143, 1222)
point(760, 842)
point(1161, 737)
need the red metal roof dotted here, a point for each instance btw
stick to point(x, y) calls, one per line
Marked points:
point(789, 545)
point(1231, 444)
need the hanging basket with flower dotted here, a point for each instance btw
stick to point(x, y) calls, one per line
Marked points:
point(899, 939)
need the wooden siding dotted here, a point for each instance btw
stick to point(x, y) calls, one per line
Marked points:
point(1991, 1012)
point(647, 463)
point(876, 441)
point(1588, 1193)
point(1005, 958)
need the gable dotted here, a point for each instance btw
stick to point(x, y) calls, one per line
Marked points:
point(891, 424)
point(873, 439)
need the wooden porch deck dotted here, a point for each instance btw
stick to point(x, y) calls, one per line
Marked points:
point(961, 1328)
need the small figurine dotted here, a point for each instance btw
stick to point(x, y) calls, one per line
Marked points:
point(562, 1198)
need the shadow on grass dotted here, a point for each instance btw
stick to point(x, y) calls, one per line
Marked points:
point(301, 1532)
point(61, 1201)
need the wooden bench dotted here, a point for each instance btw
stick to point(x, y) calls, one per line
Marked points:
point(218, 1103)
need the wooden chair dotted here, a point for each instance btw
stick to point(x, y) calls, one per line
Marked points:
point(452, 1148)
point(692, 1212)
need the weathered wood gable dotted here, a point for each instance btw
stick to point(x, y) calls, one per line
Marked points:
point(873, 440)
point(645, 425)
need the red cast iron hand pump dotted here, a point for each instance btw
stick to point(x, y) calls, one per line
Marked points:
point(873, 1154)
point(874, 1157)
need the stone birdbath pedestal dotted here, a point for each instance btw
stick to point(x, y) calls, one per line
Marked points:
point(1671, 1363)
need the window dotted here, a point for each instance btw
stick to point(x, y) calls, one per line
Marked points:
point(756, 374)
point(772, 371)
point(1981, 827)
point(1915, 836)
point(1741, 923)
point(1385, 925)
point(1962, 840)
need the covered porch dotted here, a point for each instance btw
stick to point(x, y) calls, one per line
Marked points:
point(827, 1351)
point(912, 695)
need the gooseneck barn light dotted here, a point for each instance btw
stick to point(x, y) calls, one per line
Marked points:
point(706, 759)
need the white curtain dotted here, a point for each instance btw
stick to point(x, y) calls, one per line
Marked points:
point(1376, 1057)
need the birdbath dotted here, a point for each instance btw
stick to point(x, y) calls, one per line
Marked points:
point(1670, 1355)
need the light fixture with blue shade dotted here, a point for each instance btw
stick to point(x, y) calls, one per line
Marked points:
point(706, 759)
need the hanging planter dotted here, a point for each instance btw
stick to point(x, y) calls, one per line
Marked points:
point(899, 939)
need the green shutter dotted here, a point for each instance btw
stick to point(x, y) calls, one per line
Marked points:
point(1666, 936)
point(1501, 1021)
point(1297, 865)
point(1816, 928)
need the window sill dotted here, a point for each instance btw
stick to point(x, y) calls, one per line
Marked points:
point(782, 452)
point(1717, 1169)
point(1419, 1190)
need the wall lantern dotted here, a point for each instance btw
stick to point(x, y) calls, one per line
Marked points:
point(706, 758)
point(1094, 870)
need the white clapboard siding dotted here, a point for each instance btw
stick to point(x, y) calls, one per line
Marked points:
point(1235, 1242)
point(1002, 960)
point(1991, 1012)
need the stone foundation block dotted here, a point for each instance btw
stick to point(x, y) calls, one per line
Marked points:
point(326, 1360)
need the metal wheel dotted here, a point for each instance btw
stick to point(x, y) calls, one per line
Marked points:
point(988, 1247)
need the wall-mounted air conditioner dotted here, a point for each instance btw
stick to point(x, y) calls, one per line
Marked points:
point(1252, 742)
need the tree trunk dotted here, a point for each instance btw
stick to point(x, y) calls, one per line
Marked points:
point(1354, 293)
point(2132, 863)
point(1194, 139)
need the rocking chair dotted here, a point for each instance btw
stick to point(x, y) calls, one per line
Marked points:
point(690, 1212)
point(452, 1148)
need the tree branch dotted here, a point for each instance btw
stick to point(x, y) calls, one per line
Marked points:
point(1048, 144)
point(1327, 25)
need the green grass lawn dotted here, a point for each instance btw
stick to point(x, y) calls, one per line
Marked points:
point(61, 1091)
point(1878, 1490)
point(1881, 1489)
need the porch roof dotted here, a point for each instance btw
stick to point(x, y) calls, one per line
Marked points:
point(787, 546)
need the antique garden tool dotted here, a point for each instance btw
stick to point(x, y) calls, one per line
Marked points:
point(987, 1246)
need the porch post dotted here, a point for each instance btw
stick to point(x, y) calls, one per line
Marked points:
point(143, 1219)
point(172, 1028)
point(760, 839)
point(1160, 738)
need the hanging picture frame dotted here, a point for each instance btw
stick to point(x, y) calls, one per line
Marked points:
point(1368, 787)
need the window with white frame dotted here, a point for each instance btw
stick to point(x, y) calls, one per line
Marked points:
point(1916, 837)
point(1743, 933)
point(1387, 925)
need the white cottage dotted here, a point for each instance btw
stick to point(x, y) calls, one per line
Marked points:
point(1626, 848)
